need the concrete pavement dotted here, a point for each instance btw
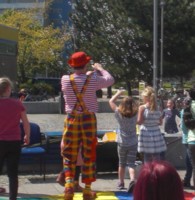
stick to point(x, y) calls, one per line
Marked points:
point(33, 185)
point(55, 122)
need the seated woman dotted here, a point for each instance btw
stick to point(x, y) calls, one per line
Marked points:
point(158, 180)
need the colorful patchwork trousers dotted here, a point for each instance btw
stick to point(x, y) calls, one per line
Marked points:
point(80, 128)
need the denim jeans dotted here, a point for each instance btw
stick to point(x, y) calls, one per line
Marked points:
point(188, 162)
point(192, 153)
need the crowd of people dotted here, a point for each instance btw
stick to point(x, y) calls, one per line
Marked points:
point(157, 180)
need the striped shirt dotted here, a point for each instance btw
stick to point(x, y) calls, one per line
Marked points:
point(96, 82)
point(126, 133)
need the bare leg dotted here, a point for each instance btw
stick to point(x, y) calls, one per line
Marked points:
point(121, 174)
point(132, 173)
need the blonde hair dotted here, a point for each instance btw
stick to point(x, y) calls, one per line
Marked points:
point(128, 107)
point(150, 94)
point(4, 84)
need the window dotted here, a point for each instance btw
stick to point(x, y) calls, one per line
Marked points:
point(8, 47)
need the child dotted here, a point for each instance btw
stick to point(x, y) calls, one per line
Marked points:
point(126, 116)
point(11, 112)
point(150, 141)
point(80, 126)
point(169, 114)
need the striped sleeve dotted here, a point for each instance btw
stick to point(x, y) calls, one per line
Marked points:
point(104, 80)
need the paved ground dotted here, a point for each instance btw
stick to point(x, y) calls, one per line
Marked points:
point(55, 122)
point(33, 185)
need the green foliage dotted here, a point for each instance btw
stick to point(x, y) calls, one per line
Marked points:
point(39, 48)
point(188, 84)
point(104, 30)
point(179, 38)
point(179, 28)
point(37, 88)
point(167, 85)
point(119, 34)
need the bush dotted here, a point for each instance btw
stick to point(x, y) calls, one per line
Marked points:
point(38, 88)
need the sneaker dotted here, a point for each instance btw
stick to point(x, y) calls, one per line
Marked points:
point(120, 186)
point(131, 186)
point(2, 190)
point(187, 185)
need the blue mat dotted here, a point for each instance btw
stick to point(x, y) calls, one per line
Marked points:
point(124, 196)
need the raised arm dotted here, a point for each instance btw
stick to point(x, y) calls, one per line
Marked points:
point(105, 79)
point(114, 98)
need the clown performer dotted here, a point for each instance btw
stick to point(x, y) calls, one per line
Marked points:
point(80, 126)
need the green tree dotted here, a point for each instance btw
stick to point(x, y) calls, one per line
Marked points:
point(104, 29)
point(179, 38)
point(179, 29)
point(120, 34)
point(39, 48)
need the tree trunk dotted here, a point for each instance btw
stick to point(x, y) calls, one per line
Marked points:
point(129, 89)
point(22, 74)
point(181, 81)
point(109, 92)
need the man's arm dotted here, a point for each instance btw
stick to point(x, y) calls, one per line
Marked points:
point(105, 79)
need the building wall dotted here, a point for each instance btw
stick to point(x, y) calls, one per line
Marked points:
point(9, 36)
point(23, 4)
point(8, 52)
point(8, 66)
point(58, 13)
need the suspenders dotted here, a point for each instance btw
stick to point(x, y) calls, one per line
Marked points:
point(79, 95)
point(80, 127)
